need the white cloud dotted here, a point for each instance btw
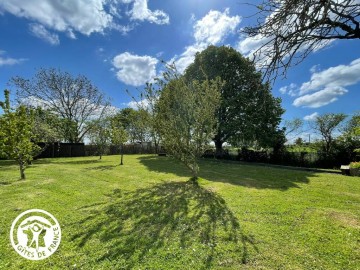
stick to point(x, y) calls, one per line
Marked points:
point(40, 31)
point(311, 117)
point(315, 68)
point(327, 85)
point(320, 98)
point(188, 56)
point(82, 16)
point(134, 69)
point(290, 90)
point(249, 45)
point(215, 26)
point(8, 61)
point(141, 12)
point(144, 103)
point(339, 76)
point(212, 29)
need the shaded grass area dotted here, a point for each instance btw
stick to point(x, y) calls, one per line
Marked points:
point(148, 215)
point(190, 225)
point(237, 174)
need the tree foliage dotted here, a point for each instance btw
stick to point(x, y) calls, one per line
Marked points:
point(326, 125)
point(185, 116)
point(136, 123)
point(74, 99)
point(248, 113)
point(16, 136)
point(292, 29)
point(350, 138)
point(48, 127)
point(100, 135)
point(118, 136)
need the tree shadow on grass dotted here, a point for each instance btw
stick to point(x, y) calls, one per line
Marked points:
point(260, 177)
point(70, 161)
point(102, 168)
point(5, 183)
point(171, 223)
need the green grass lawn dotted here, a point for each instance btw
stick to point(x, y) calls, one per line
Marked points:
point(146, 215)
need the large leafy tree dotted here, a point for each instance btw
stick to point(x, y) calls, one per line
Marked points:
point(248, 112)
point(75, 99)
point(291, 29)
point(16, 136)
point(185, 116)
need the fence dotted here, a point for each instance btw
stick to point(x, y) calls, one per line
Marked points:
point(145, 148)
point(61, 150)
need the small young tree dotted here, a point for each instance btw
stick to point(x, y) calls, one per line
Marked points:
point(118, 137)
point(185, 115)
point(99, 135)
point(146, 104)
point(16, 134)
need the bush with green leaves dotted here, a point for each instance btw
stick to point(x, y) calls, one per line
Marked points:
point(16, 134)
point(355, 168)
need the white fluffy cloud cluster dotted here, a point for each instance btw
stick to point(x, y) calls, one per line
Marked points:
point(82, 16)
point(212, 29)
point(141, 12)
point(134, 69)
point(325, 86)
point(79, 16)
point(311, 117)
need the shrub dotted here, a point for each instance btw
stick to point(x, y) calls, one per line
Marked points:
point(355, 168)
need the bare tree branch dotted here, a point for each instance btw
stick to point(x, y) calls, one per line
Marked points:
point(74, 99)
point(292, 29)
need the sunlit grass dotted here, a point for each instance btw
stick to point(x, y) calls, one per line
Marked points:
point(146, 215)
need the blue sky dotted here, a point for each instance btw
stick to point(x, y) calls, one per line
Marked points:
point(118, 45)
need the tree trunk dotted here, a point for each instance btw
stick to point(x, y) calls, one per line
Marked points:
point(121, 155)
point(219, 150)
point(22, 170)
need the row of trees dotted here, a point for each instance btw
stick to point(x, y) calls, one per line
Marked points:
point(335, 133)
point(54, 106)
point(23, 127)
